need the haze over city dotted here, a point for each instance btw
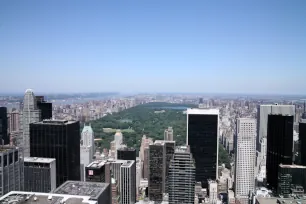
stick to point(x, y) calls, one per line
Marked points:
point(153, 46)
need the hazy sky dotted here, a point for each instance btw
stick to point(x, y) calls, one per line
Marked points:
point(204, 46)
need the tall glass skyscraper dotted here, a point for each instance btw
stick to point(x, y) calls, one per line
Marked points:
point(58, 139)
point(4, 136)
point(203, 139)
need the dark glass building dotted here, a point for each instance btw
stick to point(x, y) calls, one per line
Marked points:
point(98, 172)
point(202, 137)
point(59, 139)
point(4, 136)
point(290, 177)
point(279, 146)
point(302, 142)
point(44, 107)
point(126, 153)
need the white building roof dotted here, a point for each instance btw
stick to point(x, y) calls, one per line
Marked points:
point(38, 160)
point(197, 111)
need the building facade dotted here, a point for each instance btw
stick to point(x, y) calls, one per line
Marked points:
point(59, 139)
point(245, 156)
point(168, 134)
point(30, 114)
point(44, 107)
point(157, 171)
point(127, 182)
point(182, 177)
point(11, 170)
point(203, 139)
point(39, 174)
point(4, 135)
point(88, 138)
point(302, 141)
point(279, 146)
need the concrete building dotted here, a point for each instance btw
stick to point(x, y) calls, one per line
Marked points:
point(245, 155)
point(262, 121)
point(203, 139)
point(213, 191)
point(127, 182)
point(168, 134)
point(157, 171)
point(85, 159)
point(100, 192)
point(88, 138)
point(181, 177)
point(11, 170)
point(115, 192)
point(39, 174)
point(30, 114)
point(14, 121)
point(23, 197)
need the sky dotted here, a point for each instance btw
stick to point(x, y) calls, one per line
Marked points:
point(193, 46)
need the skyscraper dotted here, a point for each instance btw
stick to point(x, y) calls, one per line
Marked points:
point(279, 145)
point(169, 151)
point(127, 182)
point(126, 153)
point(245, 153)
point(44, 107)
point(14, 118)
point(4, 136)
point(59, 139)
point(11, 173)
point(157, 171)
point(39, 174)
point(88, 138)
point(203, 139)
point(182, 177)
point(30, 114)
point(302, 141)
point(168, 134)
point(262, 121)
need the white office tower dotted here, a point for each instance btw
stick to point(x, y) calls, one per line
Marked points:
point(118, 138)
point(86, 157)
point(168, 134)
point(181, 177)
point(213, 191)
point(262, 122)
point(245, 153)
point(88, 138)
point(30, 114)
point(127, 184)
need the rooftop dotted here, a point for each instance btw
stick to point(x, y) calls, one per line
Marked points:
point(292, 166)
point(96, 164)
point(87, 129)
point(125, 148)
point(197, 111)
point(128, 163)
point(6, 148)
point(38, 159)
point(21, 197)
point(56, 122)
point(92, 189)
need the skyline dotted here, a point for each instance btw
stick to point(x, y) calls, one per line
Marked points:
point(194, 47)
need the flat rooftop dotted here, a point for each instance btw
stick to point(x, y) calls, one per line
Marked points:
point(293, 166)
point(128, 163)
point(21, 197)
point(198, 111)
point(96, 164)
point(6, 148)
point(39, 160)
point(56, 122)
point(92, 189)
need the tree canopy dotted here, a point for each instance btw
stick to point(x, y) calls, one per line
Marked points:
point(146, 120)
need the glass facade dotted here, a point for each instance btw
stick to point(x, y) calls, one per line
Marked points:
point(203, 142)
point(59, 140)
point(3, 127)
point(279, 145)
